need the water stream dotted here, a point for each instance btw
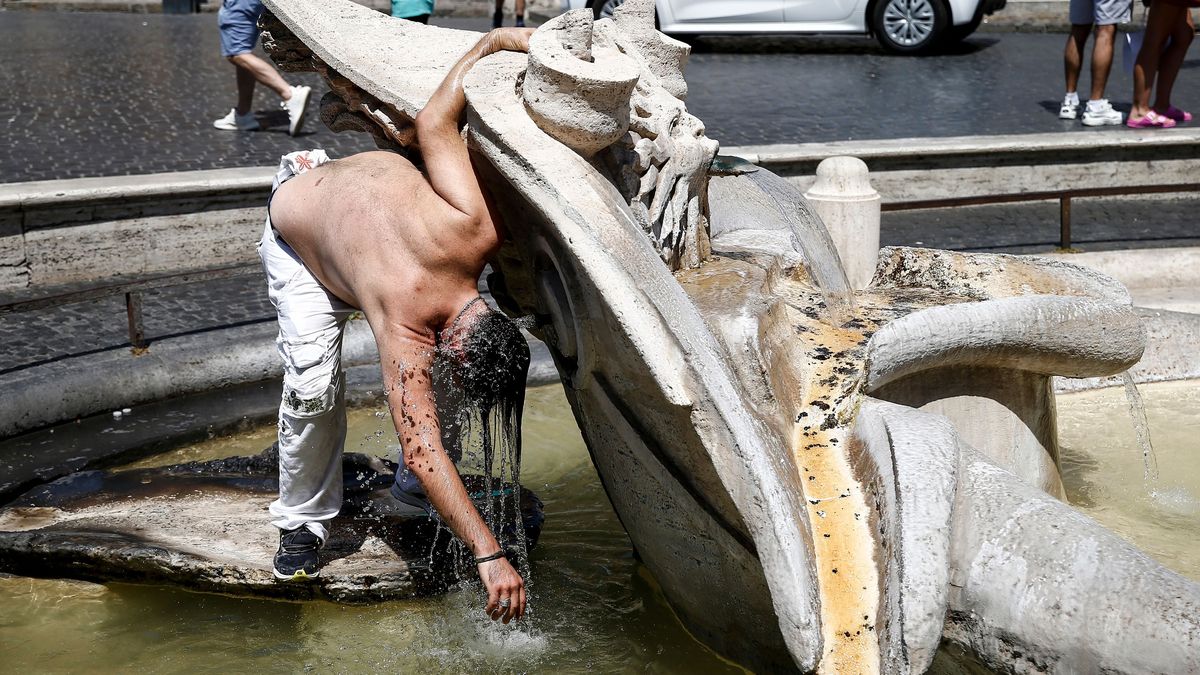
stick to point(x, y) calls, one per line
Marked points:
point(1137, 412)
point(810, 239)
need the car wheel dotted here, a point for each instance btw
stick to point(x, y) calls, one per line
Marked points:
point(956, 34)
point(909, 26)
point(603, 9)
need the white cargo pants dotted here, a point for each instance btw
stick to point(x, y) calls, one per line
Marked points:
point(312, 414)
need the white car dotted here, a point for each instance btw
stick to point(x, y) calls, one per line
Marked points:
point(902, 26)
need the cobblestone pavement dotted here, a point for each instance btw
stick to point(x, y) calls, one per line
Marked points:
point(108, 94)
point(1028, 228)
point(90, 94)
point(82, 328)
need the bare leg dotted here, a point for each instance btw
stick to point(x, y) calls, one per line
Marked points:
point(1102, 56)
point(1073, 54)
point(520, 8)
point(259, 71)
point(245, 90)
point(1161, 22)
point(1172, 61)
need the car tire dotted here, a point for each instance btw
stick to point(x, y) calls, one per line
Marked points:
point(909, 26)
point(602, 9)
point(956, 34)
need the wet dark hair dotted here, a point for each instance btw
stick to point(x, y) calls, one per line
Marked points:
point(480, 367)
point(487, 357)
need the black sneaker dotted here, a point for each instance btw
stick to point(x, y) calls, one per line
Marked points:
point(297, 555)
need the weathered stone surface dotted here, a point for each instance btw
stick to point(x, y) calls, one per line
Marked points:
point(205, 526)
point(576, 91)
point(722, 402)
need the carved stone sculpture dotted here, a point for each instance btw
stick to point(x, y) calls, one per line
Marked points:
point(818, 481)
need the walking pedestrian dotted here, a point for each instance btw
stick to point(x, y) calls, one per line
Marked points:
point(238, 22)
point(498, 16)
point(1102, 17)
point(412, 10)
point(1158, 64)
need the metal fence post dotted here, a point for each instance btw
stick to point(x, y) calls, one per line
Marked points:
point(137, 330)
point(1064, 222)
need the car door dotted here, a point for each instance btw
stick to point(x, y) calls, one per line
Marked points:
point(727, 11)
point(805, 11)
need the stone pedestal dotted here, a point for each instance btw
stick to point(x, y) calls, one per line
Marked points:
point(849, 207)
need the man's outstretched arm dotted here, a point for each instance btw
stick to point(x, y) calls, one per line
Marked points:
point(447, 162)
point(407, 366)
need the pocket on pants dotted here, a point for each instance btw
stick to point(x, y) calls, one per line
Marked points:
point(300, 355)
point(310, 383)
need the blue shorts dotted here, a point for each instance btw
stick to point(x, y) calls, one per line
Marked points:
point(1100, 12)
point(238, 21)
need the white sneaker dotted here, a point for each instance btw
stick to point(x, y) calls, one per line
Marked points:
point(295, 107)
point(1101, 114)
point(236, 122)
point(1069, 109)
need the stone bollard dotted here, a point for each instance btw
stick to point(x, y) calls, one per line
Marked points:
point(849, 207)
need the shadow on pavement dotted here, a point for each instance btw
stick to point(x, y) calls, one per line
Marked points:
point(809, 44)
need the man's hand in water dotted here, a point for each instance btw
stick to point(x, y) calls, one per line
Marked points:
point(506, 590)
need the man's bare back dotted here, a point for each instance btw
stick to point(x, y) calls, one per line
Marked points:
point(374, 232)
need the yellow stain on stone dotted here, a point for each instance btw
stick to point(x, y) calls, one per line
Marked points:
point(844, 545)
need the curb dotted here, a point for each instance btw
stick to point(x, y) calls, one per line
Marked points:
point(49, 393)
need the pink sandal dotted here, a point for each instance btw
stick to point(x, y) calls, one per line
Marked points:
point(1176, 114)
point(1152, 120)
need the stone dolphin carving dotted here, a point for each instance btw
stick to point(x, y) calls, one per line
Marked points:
point(816, 489)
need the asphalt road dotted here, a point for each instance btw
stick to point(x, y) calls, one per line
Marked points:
point(108, 94)
point(93, 94)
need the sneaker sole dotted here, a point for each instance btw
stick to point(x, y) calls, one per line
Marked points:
point(299, 575)
point(223, 128)
point(292, 130)
point(1101, 123)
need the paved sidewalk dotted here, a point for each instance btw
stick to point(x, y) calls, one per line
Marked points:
point(95, 94)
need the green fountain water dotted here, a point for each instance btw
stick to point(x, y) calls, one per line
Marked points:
point(595, 608)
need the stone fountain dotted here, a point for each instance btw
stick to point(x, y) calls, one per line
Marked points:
point(821, 477)
point(825, 472)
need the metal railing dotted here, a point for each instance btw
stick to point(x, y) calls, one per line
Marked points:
point(132, 290)
point(1064, 198)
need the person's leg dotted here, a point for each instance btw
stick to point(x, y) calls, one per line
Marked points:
point(294, 99)
point(1080, 15)
point(259, 70)
point(1099, 112)
point(498, 15)
point(520, 10)
point(1102, 57)
point(312, 418)
point(1159, 25)
point(245, 90)
point(1170, 63)
point(1073, 54)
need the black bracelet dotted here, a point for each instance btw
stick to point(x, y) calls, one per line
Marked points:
point(488, 558)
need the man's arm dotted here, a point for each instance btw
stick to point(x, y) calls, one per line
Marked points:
point(447, 161)
point(408, 362)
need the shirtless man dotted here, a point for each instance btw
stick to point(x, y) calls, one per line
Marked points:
point(372, 233)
